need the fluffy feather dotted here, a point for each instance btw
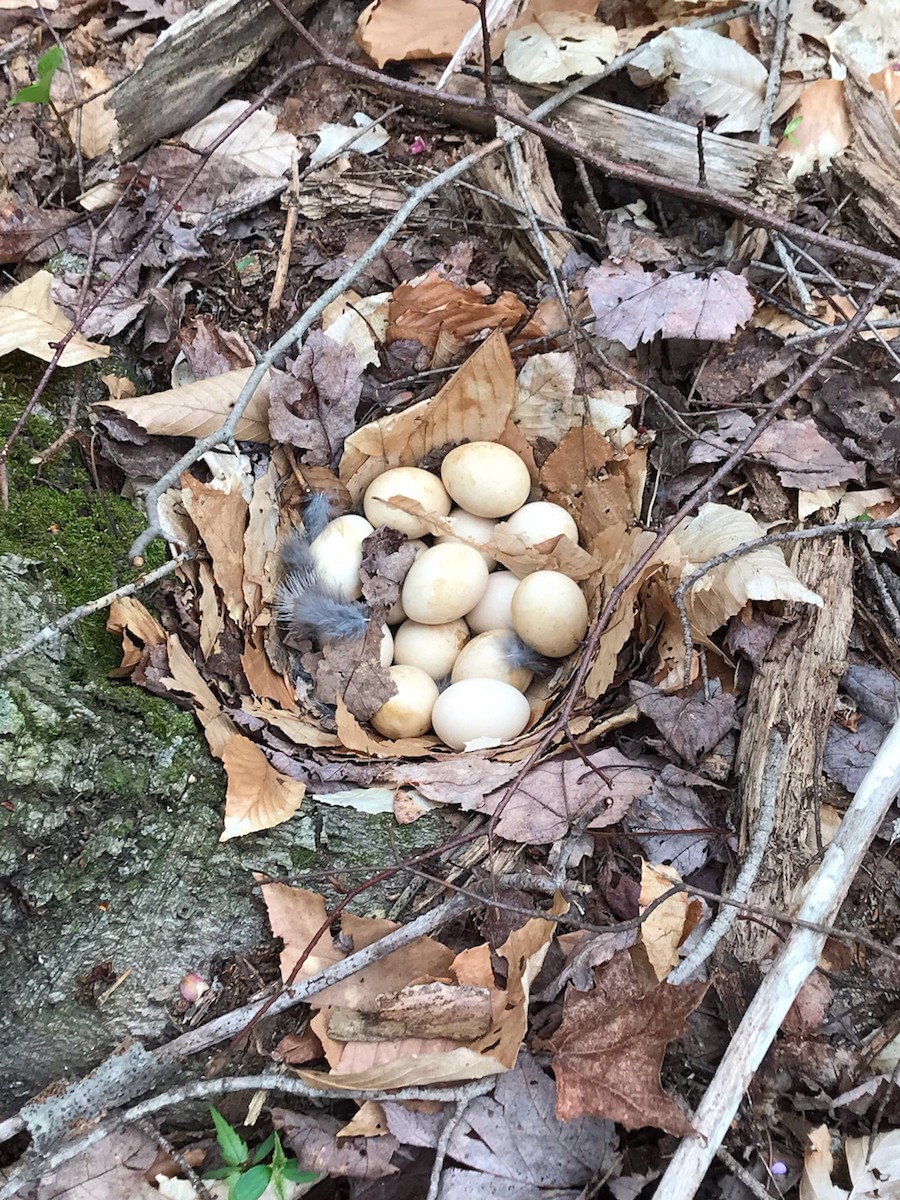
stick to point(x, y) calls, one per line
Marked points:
point(307, 610)
point(520, 654)
point(317, 512)
point(296, 559)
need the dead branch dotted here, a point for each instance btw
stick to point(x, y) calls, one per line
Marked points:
point(796, 961)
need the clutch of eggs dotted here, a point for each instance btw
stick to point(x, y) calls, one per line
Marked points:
point(461, 619)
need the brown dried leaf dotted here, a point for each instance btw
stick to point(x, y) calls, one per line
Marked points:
point(474, 405)
point(664, 930)
point(262, 680)
point(414, 1070)
point(608, 1052)
point(211, 350)
point(322, 1145)
point(464, 779)
point(352, 671)
point(555, 793)
point(387, 557)
point(258, 796)
point(313, 404)
point(29, 232)
point(221, 520)
point(432, 306)
point(200, 408)
point(354, 737)
point(138, 629)
point(633, 305)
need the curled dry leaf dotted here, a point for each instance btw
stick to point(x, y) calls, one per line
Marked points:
point(665, 929)
point(715, 74)
point(431, 307)
point(258, 144)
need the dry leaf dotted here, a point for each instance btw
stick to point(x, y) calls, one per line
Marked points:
point(358, 322)
point(258, 796)
point(711, 72)
point(691, 724)
point(804, 458)
point(313, 403)
point(633, 305)
point(354, 737)
point(138, 629)
point(815, 1183)
point(393, 30)
point(31, 322)
point(221, 520)
point(820, 128)
point(200, 408)
point(257, 143)
point(474, 405)
point(431, 307)
point(670, 922)
point(609, 1049)
point(334, 138)
point(559, 45)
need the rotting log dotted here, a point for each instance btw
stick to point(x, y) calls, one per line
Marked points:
point(794, 693)
point(191, 67)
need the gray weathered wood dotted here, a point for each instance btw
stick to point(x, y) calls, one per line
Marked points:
point(191, 67)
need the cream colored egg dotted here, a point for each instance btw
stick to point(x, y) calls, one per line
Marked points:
point(488, 657)
point(396, 615)
point(412, 483)
point(433, 648)
point(386, 647)
point(478, 529)
point(550, 613)
point(486, 479)
point(337, 553)
point(408, 713)
point(539, 521)
point(494, 609)
point(479, 708)
point(445, 583)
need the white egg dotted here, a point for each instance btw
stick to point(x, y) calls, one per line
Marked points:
point(408, 713)
point(550, 613)
point(413, 484)
point(337, 553)
point(395, 614)
point(433, 648)
point(479, 708)
point(486, 479)
point(539, 521)
point(478, 529)
point(445, 583)
point(494, 609)
point(386, 647)
point(487, 657)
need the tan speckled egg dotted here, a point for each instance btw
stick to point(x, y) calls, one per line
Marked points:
point(337, 553)
point(486, 479)
point(541, 520)
point(433, 648)
point(494, 609)
point(550, 613)
point(408, 713)
point(443, 584)
point(412, 483)
point(479, 708)
point(487, 657)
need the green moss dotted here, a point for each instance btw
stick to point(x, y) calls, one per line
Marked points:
point(79, 534)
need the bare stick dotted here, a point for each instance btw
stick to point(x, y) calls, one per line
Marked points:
point(797, 959)
point(450, 1127)
point(85, 610)
point(762, 831)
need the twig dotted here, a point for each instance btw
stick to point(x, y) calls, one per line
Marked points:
point(822, 900)
point(869, 566)
point(791, 270)
point(481, 5)
point(517, 166)
point(287, 240)
point(148, 1128)
point(85, 610)
point(824, 331)
point(762, 831)
point(782, 12)
point(450, 1127)
point(203, 1089)
point(770, 539)
point(742, 1174)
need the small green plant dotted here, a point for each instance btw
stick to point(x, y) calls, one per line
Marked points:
point(39, 93)
point(792, 126)
point(247, 1177)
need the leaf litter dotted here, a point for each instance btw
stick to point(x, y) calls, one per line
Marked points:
point(446, 342)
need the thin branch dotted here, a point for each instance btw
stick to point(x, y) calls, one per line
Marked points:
point(759, 840)
point(822, 899)
point(85, 610)
point(148, 1128)
point(782, 12)
point(454, 1120)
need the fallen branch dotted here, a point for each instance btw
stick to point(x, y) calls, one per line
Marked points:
point(797, 960)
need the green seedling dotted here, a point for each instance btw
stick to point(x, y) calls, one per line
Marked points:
point(792, 126)
point(39, 93)
point(247, 1177)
